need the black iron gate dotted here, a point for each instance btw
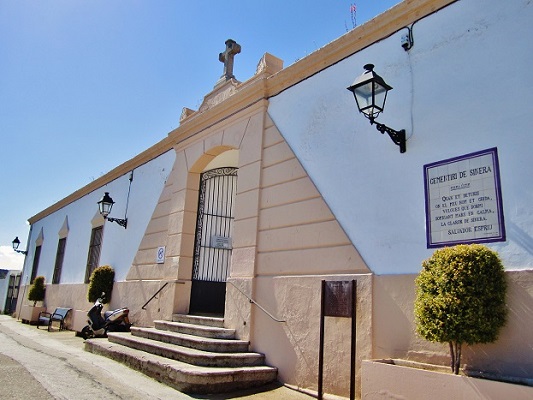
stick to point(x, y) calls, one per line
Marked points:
point(213, 243)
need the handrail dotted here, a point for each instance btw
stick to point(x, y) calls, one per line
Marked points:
point(156, 293)
point(256, 303)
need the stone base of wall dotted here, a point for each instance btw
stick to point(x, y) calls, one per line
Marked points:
point(173, 298)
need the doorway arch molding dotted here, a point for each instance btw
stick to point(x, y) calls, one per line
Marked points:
point(182, 221)
point(243, 133)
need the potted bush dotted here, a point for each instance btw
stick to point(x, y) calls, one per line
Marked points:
point(37, 290)
point(36, 293)
point(460, 298)
point(101, 281)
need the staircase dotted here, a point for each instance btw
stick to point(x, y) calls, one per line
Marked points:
point(192, 354)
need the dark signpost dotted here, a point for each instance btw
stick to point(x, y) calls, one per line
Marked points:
point(337, 300)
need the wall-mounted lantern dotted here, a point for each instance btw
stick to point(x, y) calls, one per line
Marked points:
point(370, 92)
point(16, 244)
point(105, 205)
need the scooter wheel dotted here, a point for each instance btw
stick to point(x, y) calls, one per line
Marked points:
point(86, 333)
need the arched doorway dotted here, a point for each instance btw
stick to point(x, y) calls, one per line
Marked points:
point(213, 241)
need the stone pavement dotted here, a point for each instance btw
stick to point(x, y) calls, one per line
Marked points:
point(37, 364)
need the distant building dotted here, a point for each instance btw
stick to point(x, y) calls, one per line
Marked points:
point(9, 289)
point(278, 183)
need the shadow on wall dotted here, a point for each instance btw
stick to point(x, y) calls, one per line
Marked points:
point(512, 353)
point(395, 335)
point(286, 344)
point(293, 346)
point(519, 236)
point(394, 328)
point(281, 346)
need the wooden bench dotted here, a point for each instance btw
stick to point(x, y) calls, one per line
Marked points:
point(59, 315)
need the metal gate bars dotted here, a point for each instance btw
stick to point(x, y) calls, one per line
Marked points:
point(213, 243)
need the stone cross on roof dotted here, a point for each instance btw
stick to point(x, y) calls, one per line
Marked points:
point(232, 48)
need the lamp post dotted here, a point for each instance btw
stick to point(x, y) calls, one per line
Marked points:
point(105, 205)
point(370, 92)
point(16, 244)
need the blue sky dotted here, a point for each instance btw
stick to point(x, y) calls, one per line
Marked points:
point(87, 85)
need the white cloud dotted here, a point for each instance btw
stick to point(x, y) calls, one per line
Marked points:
point(9, 259)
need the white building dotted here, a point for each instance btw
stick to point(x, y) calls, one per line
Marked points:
point(322, 195)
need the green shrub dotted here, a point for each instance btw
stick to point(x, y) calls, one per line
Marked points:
point(460, 298)
point(101, 281)
point(37, 290)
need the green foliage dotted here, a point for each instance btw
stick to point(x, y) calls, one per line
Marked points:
point(460, 297)
point(101, 281)
point(37, 290)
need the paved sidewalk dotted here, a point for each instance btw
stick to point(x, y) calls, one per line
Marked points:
point(37, 364)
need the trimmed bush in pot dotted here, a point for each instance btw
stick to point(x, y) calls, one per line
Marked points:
point(101, 281)
point(460, 298)
point(37, 290)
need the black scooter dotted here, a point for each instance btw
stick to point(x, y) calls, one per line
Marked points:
point(112, 321)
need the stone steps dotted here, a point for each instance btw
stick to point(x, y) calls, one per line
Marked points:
point(179, 354)
point(186, 354)
point(197, 330)
point(192, 341)
point(199, 320)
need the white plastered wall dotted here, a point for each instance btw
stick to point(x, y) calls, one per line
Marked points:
point(76, 221)
point(465, 86)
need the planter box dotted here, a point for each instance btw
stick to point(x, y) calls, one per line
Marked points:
point(384, 379)
point(30, 314)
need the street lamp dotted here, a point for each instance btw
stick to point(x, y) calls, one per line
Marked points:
point(105, 205)
point(370, 92)
point(16, 244)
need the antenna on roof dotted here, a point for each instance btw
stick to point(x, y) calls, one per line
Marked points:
point(353, 13)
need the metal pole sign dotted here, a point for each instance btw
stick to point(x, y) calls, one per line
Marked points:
point(337, 300)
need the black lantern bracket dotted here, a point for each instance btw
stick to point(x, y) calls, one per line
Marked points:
point(122, 222)
point(370, 93)
point(398, 137)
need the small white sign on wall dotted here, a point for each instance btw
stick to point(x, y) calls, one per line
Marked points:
point(160, 257)
point(221, 242)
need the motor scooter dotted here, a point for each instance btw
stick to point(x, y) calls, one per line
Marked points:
point(111, 321)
